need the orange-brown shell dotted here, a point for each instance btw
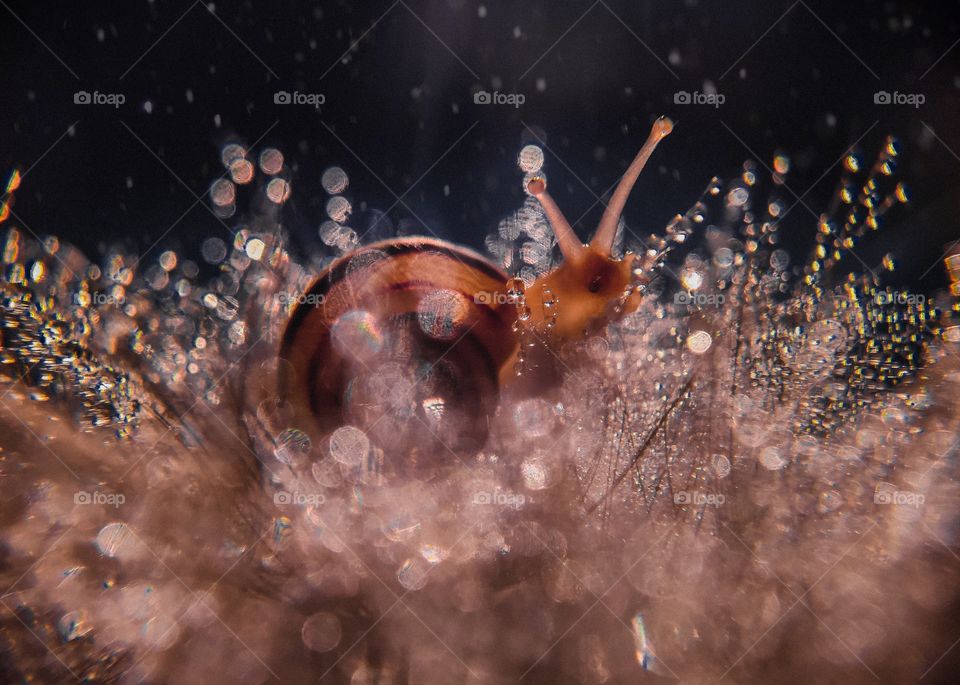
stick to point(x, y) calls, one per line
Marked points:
point(364, 330)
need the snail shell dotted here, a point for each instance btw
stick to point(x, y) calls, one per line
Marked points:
point(411, 339)
point(405, 339)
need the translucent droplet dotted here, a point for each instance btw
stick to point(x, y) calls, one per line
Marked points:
point(293, 446)
point(737, 197)
point(534, 417)
point(254, 249)
point(721, 465)
point(330, 232)
point(112, 538)
point(356, 335)
point(691, 279)
point(321, 632)
point(339, 208)
point(223, 193)
point(38, 272)
point(168, 260)
point(241, 171)
point(214, 250)
point(334, 180)
point(699, 342)
point(531, 159)
point(772, 458)
point(442, 314)
point(723, 258)
point(412, 573)
point(237, 333)
point(231, 153)
point(278, 191)
point(536, 472)
point(271, 161)
point(779, 260)
point(830, 500)
point(160, 632)
point(349, 445)
point(73, 625)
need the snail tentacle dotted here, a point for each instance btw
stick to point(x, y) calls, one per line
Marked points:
point(607, 230)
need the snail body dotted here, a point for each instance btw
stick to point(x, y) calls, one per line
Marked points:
point(412, 339)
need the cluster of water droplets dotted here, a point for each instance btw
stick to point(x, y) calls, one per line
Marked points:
point(753, 414)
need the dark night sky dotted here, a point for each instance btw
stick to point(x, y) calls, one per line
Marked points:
point(593, 75)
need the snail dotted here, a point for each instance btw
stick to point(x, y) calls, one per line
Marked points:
point(413, 339)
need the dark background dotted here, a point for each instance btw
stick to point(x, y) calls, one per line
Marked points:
point(403, 95)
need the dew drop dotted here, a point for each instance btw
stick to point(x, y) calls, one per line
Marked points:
point(278, 191)
point(442, 314)
point(223, 193)
point(214, 250)
point(321, 632)
point(349, 446)
point(73, 625)
point(271, 161)
point(531, 159)
point(699, 342)
point(334, 180)
point(412, 573)
point(339, 208)
point(241, 171)
point(112, 538)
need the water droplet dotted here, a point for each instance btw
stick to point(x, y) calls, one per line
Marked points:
point(412, 573)
point(349, 446)
point(231, 153)
point(334, 180)
point(356, 335)
point(241, 171)
point(531, 159)
point(737, 197)
point(214, 250)
point(442, 314)
point(293, 446)
point(223, 193)
point(278, 191)
point(112, 538)
point(321, 632)
point(772, 458)
point(699, 342)
point(271, 161)
point(73, 625)
point(339, 208)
